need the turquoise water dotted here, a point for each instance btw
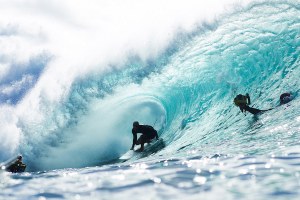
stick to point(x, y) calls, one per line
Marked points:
point(211, 150)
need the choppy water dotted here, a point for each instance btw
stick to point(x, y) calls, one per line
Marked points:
point(187, 176)
point(211, 150)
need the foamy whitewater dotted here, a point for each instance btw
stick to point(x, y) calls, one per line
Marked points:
point(75, 74)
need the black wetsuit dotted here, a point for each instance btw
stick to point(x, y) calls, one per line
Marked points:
point(148, 133)
point(16, 167)
point(251, 110)
point(285, 98)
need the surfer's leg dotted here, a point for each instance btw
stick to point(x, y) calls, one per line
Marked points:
point(147, 139)
point(139, 141)
point(150, 137)
point(253, 111)
point(142, 140)
point(142, 147)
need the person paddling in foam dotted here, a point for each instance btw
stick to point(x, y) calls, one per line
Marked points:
point(148, 133)
point(285, 98)
point(243, 102)
point(17, 166)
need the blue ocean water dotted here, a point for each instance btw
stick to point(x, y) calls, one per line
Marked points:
point(210, 149)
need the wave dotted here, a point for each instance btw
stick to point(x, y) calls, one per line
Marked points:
point(186, 92)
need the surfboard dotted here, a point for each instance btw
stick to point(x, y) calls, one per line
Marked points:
point(129, 154)
point(149, 148)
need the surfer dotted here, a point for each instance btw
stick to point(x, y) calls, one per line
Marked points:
point(243, 102)
point(148, 133)
point(285, 98)
point(17, 166)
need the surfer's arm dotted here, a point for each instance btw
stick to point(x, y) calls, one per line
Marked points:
point(133, 140)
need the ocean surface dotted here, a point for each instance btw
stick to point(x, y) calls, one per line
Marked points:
point(68, 98)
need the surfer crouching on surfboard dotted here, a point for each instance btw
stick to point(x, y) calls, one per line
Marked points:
point(148, 133)
point(243, 102)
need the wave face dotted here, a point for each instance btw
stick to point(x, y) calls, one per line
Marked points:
point(186, 92)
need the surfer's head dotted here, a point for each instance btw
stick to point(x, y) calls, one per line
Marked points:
point(19, 157)
point(240, 100)
point(135, 124)
point(285, 98)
